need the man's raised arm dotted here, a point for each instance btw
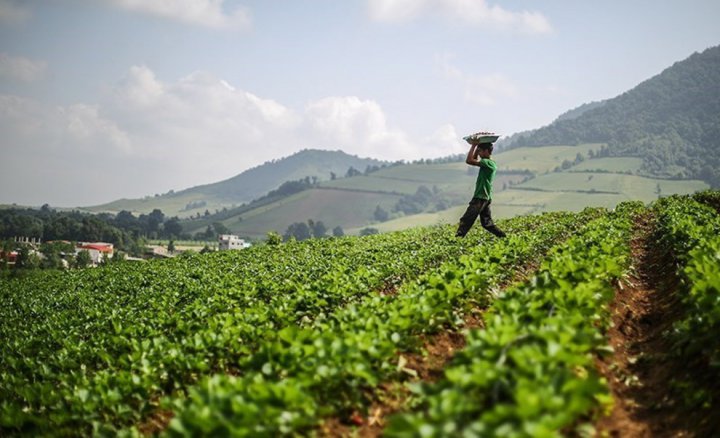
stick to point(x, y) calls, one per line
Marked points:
point(472, 156)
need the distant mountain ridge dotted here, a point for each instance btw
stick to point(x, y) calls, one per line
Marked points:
point(510, 142)
point(246, 186)
point(259, 180)
point(671, 121)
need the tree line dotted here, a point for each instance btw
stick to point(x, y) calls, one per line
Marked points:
point(124, 230)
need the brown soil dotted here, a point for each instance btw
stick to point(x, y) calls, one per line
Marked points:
point(438, 348)
point(641, 369)
point(390, 398)
point(156, 422)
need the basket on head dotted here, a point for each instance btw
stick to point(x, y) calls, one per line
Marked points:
point(482, 137)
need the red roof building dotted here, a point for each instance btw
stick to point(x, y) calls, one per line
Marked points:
point(105, 248)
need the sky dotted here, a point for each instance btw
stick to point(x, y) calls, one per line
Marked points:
point(109, 99)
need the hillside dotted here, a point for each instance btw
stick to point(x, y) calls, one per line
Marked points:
point(659, 138)
point(529, 180)
point(670, 121)
point(244, 187)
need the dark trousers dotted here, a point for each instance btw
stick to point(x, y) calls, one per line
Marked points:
point(478, 207)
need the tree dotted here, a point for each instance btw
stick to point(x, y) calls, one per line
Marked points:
point(171, 246)
point(273, 238)
point(53, 252)
point(298, 230)
point(352, 172)
point(155, 218)
point(172, 227)
point(380, 214)
point(318, 228)
point(118, 257)
point(83, 259)
point(125, 219)
point(338, 231)
point(27, 258)
point(220, 228)
point(369, 231)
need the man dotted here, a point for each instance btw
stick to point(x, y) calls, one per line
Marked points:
point(479, 155)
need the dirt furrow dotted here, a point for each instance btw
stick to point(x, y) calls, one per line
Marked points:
point(642, 369)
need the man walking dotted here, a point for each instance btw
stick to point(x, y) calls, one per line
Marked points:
point(479, 155)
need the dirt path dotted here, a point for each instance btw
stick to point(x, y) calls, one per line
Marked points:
point(438, 350)
point(641, 369)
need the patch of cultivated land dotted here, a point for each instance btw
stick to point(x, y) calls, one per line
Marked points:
point(643, 368)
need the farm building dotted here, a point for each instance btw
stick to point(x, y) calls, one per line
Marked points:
point(99, 251)
point(10, 257)
point(231, 241)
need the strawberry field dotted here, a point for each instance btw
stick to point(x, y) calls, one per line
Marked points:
point(335, 336)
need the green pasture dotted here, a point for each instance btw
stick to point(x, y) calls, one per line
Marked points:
point(539, 201)
point(447, 177)
point(349, 209)
point(539, 160)
point(425, 173)
point(630, 187)
point(610, 164)
point(449, 216)
point(374, 183)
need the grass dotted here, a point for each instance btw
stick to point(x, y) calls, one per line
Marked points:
point(332, 207)
point(631, 187)
point(610, 164)
point(351, 202)
point(541, 160)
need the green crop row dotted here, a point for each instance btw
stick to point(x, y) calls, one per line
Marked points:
point(332, 367)
point(530, 371)
point(97, 348)
point(691, 230)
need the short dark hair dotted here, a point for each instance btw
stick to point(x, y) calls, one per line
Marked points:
point(485, 146)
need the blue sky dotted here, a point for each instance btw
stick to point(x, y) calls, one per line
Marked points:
point(106, 99)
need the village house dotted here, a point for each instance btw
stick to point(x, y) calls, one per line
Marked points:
point(98, 251)
point(231, 241)
point(10, 257)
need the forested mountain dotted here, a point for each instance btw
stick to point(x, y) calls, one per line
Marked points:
point(671, 121)
point(510, 142)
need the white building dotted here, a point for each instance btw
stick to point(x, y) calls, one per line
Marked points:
point(231, 241)
point(98, 251)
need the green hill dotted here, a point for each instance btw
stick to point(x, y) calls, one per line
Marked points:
point(529, 180)
point(245, 187)
point(671, 122)
point(657, 139)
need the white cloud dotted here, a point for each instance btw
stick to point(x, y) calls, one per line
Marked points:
point(472, 12)
point(357, 126)
point(361, 127)
point(22, 69)
point(87, 129)
point(12, 12)
point(206, 13)
point(146, 136)
point(397, 10)
point(207, 126)
point(484, 89)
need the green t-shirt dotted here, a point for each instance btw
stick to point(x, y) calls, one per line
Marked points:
point(486, 175)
